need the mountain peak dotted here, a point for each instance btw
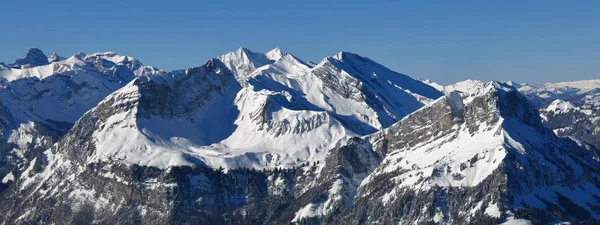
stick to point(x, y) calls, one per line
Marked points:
point(34, 57)
point(33, 49)
point(275, 54)
point(113, 57)
point(344, 55)
point(54, 58)
point(243, 61)
point(242, 50)
point(80, 55)
point(510, 104)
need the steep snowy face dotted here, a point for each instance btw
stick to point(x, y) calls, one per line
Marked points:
point(149, 150)
point(364, 68)
point(154, 120)
point(41, 99)
point(166, 123)
point(493, 144)
point(451, 132)
point(567, 107)
point(275, 54)
point(279, 129)
point(288, 115)
point(283, 114)
point(328, 89)
point(380, 96)
point(242, 62)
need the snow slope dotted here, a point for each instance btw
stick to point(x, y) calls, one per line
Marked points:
point(60, 92)
point(494, 139)
point(360, 144)
point(242, 62)
point(465, 87)
point(41, 98)
point(560, 106)
point(148, 133)
point(285, 113)
point(562, 90)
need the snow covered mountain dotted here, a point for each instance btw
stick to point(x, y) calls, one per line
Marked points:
point(41, 100)
point(62, 91)
point(285, 113)
point(482, 159)
point(577, 118)
point(563, 90)
point(253, 138)
point(539, 96)
point(569, 108)
point(241, 110)
point(242, 62)
point(33, 58)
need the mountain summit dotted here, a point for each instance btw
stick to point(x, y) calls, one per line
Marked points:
point(486, 158)
point(253, 138)
point(34, 57)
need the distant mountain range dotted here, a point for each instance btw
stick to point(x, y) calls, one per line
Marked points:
point(253, 138)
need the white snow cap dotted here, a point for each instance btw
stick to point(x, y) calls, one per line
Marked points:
point(275, 54)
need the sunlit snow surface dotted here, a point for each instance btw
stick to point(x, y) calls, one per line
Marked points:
point(274, 111)
point(466, 157)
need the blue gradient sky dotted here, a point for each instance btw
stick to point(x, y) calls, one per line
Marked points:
point(535, 41)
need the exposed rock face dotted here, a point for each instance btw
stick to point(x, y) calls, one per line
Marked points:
point(55, 58)
point(243, 62)
point(361, 79)
point(33, 58)
point(482, 160)
point(41, 101)
point(542, 95)
point(580, 121)
point(569, 108)
point(132, 144)
point(490, 163)
point(70, 191)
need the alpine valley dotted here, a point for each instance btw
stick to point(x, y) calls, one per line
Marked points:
point(267, 138)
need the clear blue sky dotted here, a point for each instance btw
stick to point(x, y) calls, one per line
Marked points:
point(446, 41)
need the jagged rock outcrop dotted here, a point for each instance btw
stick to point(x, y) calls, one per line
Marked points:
point(34, 57)
point(577, 118)
point(41, 100)
point(486, 163)
point(252, 138)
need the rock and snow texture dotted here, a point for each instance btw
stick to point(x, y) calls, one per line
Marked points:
point(342, 141)
point(569, 108)
point(464, 87)
point(41, 98)
point(560, 106)
point(441, 156)
point(33, 58)
point(283, 114)
point(60, 92)
point(577, 118)
point(242, 62)
point(563, 90)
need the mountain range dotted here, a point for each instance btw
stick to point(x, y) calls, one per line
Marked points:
point(253, 138)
